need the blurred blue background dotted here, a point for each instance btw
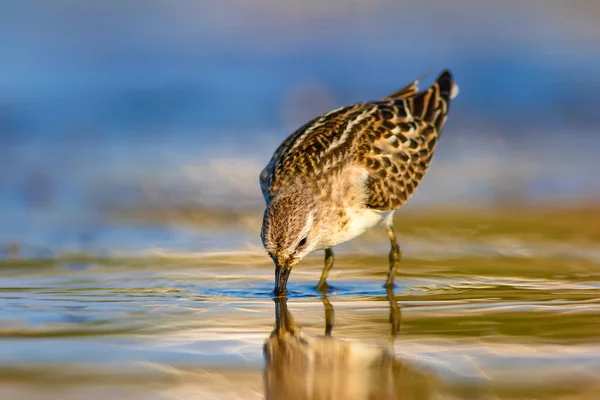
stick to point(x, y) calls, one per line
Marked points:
point(113, 104)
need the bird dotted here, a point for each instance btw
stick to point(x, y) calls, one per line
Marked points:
point(347, 171)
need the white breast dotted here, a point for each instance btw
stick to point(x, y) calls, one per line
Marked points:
point(350, 184)
point(360, 221)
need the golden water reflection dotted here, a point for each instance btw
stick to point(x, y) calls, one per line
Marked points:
point(301, 366)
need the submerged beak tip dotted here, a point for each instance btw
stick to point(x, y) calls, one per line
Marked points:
point(282, 273)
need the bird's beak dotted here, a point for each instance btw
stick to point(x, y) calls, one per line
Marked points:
point(282, 273)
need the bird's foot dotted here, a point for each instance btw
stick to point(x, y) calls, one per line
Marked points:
point(276, 294)
point(324, 287)
point(389, 285)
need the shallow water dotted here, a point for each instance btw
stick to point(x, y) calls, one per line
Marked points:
point(194, 326)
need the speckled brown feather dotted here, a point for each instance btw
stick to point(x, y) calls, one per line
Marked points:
point(392, 139)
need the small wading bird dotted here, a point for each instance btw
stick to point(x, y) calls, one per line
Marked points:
point(347, 171)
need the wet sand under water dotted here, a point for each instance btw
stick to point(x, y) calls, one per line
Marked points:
point(203, 326)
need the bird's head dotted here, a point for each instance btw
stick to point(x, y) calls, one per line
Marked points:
point(290, 230)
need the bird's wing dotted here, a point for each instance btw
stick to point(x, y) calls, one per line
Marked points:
point(267, 172)
point(392, 139)
point(317, 147)
point(399, 155)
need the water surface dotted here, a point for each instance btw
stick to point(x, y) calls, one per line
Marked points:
point(194, 326)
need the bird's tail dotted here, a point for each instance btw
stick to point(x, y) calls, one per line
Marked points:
point(431, 105)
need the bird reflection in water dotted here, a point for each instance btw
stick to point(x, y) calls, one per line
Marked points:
point(307, 367)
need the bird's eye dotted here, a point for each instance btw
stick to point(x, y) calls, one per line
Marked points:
point(302, 242)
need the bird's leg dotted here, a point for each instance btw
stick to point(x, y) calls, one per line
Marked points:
point(395, 254)
point(395, 314)
point(322, 285)
point(329, 314)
